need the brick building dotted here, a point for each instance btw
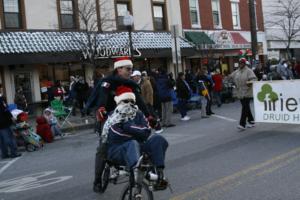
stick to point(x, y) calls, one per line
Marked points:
point(220, 29)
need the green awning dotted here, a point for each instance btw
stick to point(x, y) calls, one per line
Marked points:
point(198, 38)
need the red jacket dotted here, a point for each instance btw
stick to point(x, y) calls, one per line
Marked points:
point(217, 78)
point(43, 129)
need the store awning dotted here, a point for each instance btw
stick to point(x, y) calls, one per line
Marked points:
point(237, 38)
point(198, 38)
point(45, 43)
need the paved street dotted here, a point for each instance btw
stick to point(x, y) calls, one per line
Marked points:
point(208, 159)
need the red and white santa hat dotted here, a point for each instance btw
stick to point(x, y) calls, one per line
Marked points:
point(124, 93)
point(123, 62)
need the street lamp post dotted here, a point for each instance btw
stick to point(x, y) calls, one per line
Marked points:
point(128, 22)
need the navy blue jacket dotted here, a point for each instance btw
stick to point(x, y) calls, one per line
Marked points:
point(104, 92)
point(164, 88)
point(136, 129)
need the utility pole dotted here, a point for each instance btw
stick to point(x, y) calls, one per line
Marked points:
point(253, 28)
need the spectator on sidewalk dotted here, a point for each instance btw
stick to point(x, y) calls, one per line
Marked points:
point(20, 100)
point(183, 92)
point(82, 91)
point(165, 86)
point(242, 79)
point(53, 122)
point(7, 139)
point(218, 86)
point(146, 94)
point(43, 129)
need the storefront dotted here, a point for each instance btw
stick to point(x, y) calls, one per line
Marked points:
point(33, 60)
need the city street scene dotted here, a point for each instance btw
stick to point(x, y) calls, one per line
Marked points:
point(149, 99)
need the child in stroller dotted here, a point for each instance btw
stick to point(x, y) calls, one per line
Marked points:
point(24, 133)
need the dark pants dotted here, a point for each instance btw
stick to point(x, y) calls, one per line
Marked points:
point(246, 112)
point(128, 153)
point(209, 103)
point(182, 107)
point(7, 140)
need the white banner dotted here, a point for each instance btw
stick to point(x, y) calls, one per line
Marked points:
point(277, 101)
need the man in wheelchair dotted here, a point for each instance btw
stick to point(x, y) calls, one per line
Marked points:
point(129, 134)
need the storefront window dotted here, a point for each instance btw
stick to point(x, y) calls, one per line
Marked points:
point(50, 73)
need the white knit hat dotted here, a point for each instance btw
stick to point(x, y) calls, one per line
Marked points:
point(122, 62)
point(136, 73)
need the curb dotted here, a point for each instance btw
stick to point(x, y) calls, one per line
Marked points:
point(76, 128)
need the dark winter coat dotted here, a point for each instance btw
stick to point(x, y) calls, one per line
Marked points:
point(182, 90)
point(103, 94)
point(5, 115)
point(164, 88)
point(136, 129)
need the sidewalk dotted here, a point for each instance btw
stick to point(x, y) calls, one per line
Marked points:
point(76, 123)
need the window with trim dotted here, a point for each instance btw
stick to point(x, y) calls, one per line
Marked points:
point(122, 9)
point(67, 16)
point(194, 13)
point(216, 13)
point(159, 17)
point(12, 14)
point(235, 15)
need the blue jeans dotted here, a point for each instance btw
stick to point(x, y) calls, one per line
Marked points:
point(182, 107)
point(129, 152)
point(7, 140)
point(55, 130)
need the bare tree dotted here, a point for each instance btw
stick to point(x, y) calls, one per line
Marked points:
point(92, 23)
point(284, 16)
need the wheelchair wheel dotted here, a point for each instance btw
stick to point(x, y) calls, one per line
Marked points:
point(137, 193)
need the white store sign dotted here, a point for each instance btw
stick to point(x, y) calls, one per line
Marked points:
point(277, 101)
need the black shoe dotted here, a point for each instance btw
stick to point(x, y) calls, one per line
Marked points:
point(5, 156)
point(97, 188)
point(16, 155)
point(162, 183)
point(212, 113)
point(170, 125)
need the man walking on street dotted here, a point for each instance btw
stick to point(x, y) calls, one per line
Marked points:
point(242, 78)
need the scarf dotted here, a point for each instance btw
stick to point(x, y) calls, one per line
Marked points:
point(122, 113)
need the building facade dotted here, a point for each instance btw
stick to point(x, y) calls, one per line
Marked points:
point(221, 29)
point(277, 27)
point(37, 39)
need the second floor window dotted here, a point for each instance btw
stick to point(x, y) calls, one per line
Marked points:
point(67, 14)
point(12, 15)
point(122, 9)
point(194, 13)
point(159, 18)
point(235, 15)
point(216, 13)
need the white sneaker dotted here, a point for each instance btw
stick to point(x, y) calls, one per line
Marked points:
point(185, 118)
point(250, 125)
point(241, 127)
point(159, 131)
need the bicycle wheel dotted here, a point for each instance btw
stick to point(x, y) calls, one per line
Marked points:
point(140, 192)
point(105, 177)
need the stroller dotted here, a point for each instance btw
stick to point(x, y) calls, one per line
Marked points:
point(25, 135)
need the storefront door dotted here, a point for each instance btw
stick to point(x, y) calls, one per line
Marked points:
point(23, 80)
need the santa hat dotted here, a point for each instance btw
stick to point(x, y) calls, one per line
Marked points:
point(122, 62)
point(243, 60)
point(124, 93)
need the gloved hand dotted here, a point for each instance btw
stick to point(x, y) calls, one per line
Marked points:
point(152, 121)
point(101, 114)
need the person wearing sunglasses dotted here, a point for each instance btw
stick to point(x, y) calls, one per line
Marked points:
point(102, 100)
point(128, 134)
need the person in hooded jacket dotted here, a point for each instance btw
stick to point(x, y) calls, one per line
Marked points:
point(7, 138)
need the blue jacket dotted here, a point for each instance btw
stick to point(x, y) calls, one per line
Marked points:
point(136, 129)
point(164, 88)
